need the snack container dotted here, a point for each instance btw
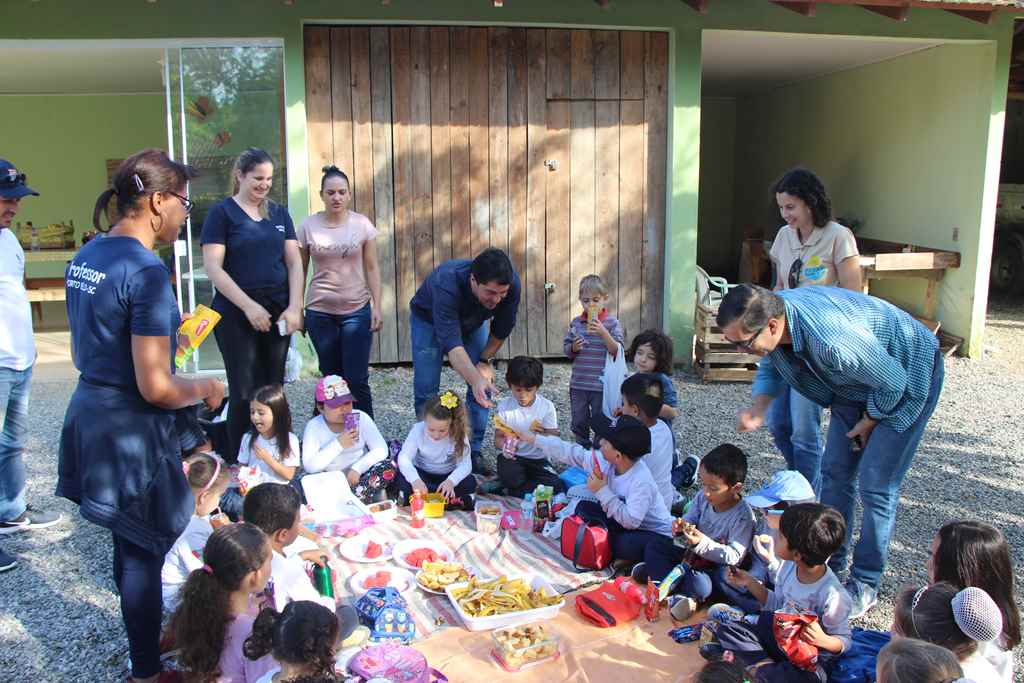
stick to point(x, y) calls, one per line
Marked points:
point(535, 581)
point(433, 505)
point(522, 647)
point(384, 511)
point(488, 517)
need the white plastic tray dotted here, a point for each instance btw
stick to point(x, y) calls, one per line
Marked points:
point(512, 618)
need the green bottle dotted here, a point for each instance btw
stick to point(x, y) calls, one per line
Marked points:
point(322, 578)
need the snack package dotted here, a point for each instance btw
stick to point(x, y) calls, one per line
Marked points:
point(502, 425)
point(193, 331)
point(787, 625)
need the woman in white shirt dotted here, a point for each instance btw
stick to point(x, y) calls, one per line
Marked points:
point(343, 439)
point(810, 249)
point(435, 455)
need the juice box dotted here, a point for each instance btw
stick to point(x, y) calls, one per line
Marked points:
point(192, 333)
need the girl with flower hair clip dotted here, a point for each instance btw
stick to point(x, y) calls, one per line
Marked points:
point(434, 457)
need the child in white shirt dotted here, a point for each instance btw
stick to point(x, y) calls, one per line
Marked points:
point(435, 455)
point(274, 508)
point(343, 439)
point(270, 445)
point(641, 398)
point(524, 466)
point(629, 503)
point(208, 478)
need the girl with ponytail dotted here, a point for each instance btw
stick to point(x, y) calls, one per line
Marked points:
point(303, 638)
point(217, 610)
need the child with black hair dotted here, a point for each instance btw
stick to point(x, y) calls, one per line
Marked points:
point(208, 478)
point(628, 501)
point(908, 660)
point(651, 352)
point(641, 398)
point(217, 609)
point(270, 445)
point(960, 620)
point(524, 466)
point(722, 671)
point(969, 553)
point(435, 456)
point(808, 535)
point(274, 508)
point(716, 532)
point(303, 638)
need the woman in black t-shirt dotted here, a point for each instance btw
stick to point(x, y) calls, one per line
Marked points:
point(120, 459)
point(252, 257)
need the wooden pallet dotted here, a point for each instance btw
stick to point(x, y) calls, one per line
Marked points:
point(715, 359)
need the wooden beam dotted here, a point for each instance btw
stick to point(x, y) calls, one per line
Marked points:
point(894, 12)
point(807, 9)
point(700, 6)
point(980, 16)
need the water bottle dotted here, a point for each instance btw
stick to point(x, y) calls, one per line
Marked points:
point(526, 514)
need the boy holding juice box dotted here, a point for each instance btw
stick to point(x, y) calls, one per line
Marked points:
point(592, 336)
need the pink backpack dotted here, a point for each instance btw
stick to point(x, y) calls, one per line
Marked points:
point(397, 663)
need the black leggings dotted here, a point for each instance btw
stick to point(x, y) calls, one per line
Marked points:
point(251, 360)
point(137, 577)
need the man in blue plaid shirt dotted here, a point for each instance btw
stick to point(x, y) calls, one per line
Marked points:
point(878, 369)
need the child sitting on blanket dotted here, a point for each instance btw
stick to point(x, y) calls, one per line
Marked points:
point(907, 660)
point(435, 455)
point(274, 509)
point(716, 531)
point(641, 398)
point(303, 638)
point(341, 438)
point(808, 535)
point(524, 466)
point(628, 501)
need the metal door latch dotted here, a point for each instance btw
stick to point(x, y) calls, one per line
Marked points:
point(551, 164)
point(549, 287)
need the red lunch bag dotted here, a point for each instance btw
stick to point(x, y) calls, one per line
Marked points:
point(585, 544)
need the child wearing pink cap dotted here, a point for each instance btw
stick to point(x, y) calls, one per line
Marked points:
point(343, 439)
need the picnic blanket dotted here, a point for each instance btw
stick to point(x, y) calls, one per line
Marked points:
point(508, 553)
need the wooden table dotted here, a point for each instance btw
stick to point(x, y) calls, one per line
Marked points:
point(43, 289)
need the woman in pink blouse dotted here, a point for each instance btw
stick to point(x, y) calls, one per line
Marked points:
point(343, 299)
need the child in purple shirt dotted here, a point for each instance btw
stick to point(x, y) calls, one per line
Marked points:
point(592, 336)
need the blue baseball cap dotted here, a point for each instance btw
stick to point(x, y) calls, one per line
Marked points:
point(12, 183)
point(785, 486)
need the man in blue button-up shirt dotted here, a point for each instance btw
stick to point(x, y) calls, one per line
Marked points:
point(878, 369)
point(449, 318)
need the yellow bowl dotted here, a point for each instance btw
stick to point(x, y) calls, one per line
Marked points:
point(433, 505)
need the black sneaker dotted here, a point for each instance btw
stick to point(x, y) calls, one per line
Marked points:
point(31, 518)
point(688, 471)
point(479, 466)
point(639, 573)
point(7, 561)
point(712, 652)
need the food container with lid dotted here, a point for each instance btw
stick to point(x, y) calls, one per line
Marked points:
point(520, 647)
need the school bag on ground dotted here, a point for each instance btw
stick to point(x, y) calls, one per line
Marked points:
point(393, 663)
point(585, 544)
point(607, 606)
point(385, 612)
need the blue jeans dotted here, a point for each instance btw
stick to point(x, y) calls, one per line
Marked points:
point(795, 423)
point(426, 371)
point(342, 343)
point(878, 472)
point(14, 389)
point(741, 597)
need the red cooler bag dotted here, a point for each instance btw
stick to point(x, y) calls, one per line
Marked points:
point(607, 606)
point(585, 544)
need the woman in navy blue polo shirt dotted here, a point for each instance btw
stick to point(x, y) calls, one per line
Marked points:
point(120, 459)
point(252, 256)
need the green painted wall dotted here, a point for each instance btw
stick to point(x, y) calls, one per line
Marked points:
point(901, 144)
point(270, 18)
point(718, 236)
point(63, 142)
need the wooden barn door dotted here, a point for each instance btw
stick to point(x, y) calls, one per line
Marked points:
point(548, 143)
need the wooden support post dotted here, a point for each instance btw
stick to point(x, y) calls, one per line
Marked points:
point(807, 9)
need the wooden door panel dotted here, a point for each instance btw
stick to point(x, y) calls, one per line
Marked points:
point(548, 143)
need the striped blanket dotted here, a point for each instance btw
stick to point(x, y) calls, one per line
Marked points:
point(509, 553)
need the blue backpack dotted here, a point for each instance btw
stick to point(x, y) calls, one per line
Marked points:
point(385, 612)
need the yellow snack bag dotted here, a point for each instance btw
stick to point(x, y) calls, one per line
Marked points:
point(192, 333)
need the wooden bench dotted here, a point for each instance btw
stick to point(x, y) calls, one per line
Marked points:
point(42, 289)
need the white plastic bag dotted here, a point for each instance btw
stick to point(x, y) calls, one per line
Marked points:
point(611, 382)
point(293, 364)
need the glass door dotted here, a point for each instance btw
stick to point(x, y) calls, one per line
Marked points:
point(220, 101)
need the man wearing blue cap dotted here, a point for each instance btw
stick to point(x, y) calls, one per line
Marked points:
point(17, 355)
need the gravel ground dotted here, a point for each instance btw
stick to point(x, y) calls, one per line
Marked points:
point(59, 617)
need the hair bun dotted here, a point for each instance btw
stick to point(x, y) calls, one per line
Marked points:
point(977, 614)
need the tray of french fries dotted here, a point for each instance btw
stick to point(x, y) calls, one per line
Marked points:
point(434, 577)
point(494, 603)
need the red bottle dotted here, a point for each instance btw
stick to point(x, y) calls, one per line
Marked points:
point(419, 518)
point(631, 590)
point(652, 608)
